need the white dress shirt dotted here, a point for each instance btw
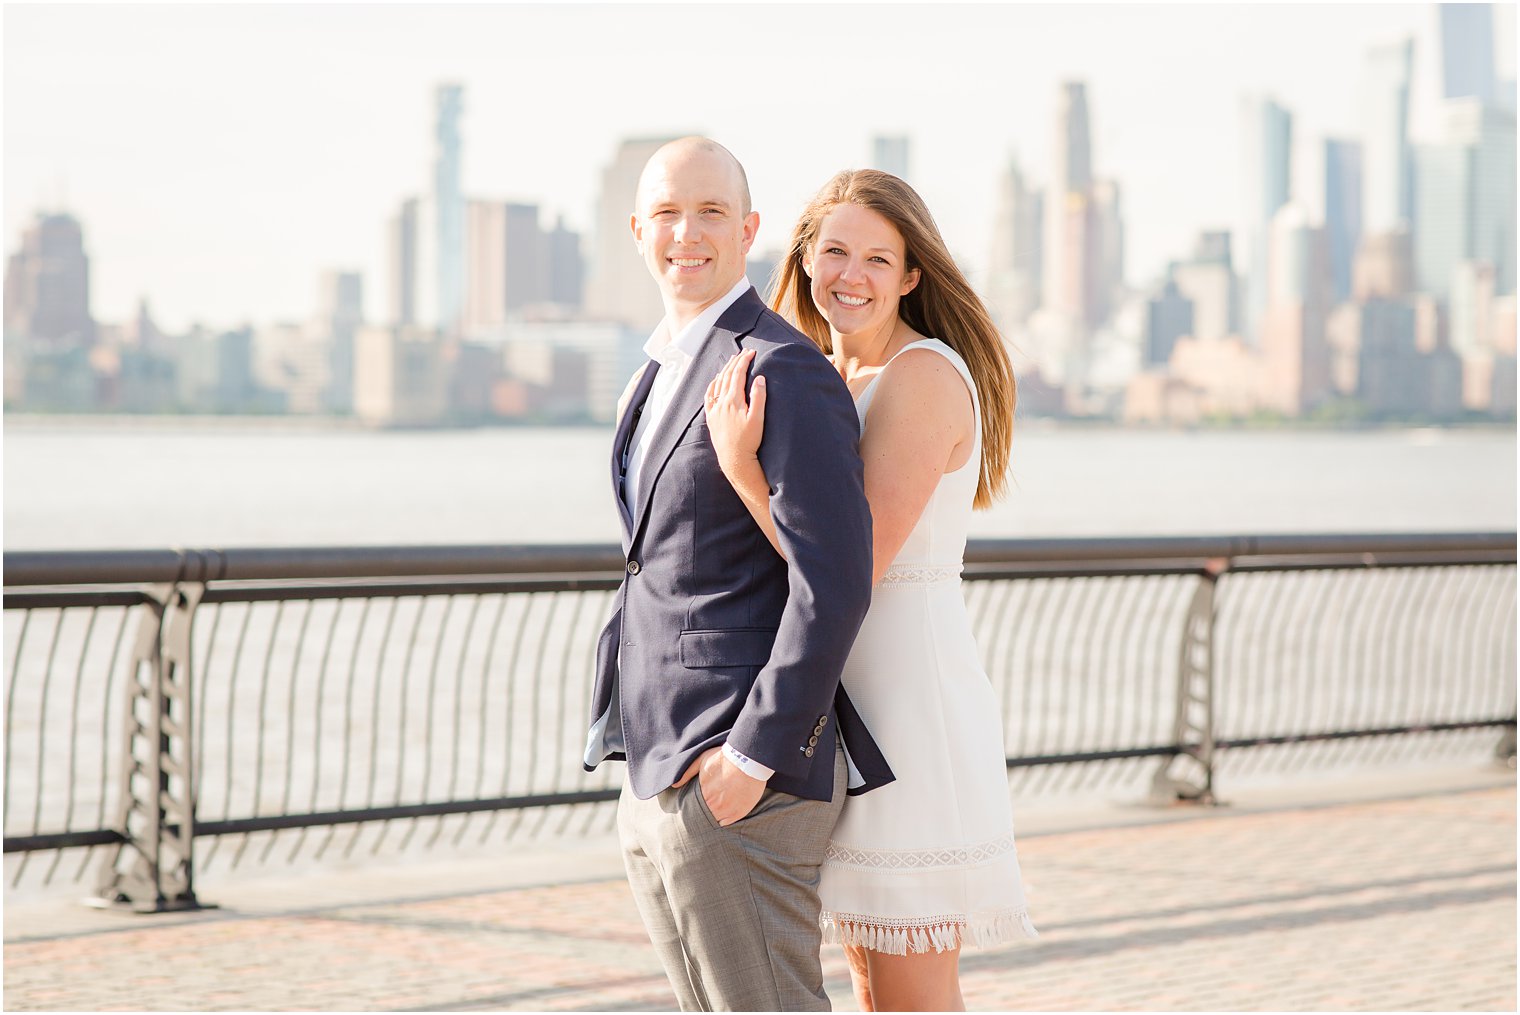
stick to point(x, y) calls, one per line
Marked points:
point(674, 356)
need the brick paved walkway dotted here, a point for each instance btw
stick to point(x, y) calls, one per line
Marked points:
point(1393, 904)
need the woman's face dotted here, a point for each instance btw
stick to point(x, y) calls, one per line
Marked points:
point(858, 268)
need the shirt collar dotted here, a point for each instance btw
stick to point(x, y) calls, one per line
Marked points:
point(689, 342)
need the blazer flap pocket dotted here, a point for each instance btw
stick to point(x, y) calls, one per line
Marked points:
point(734, 646)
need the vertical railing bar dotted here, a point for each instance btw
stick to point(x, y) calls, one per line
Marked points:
point(316, 735)
point(1445, 614)
point(538, 686)
point(1105, 679)
point(1056, 592)
point(105, 728)
point(73, 713)
point(290, 724)
point(427, 721)
point(998, 623)
point(1173, 595)
point(401, 698)
point(1095, 681)
point(485, 683)
point(374, 734)
point(458, 738)
point(1079, 647)
point(1261, 677)
point(1253, 590)
point(258, 765)
point(231, 739)
point(1416, 613)
point(1070, 589)
point(42, 705)
point(1328, 628)
point(1374, 712)
point(1352, 633)
point(506, 768)
point(1112, 716)
point(348, 721)
point(1288, 625)
point(10, 712)
point(1496, 604)
point(572, 638)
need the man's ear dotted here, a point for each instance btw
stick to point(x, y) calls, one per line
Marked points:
point(638, 232)
point(751, 229)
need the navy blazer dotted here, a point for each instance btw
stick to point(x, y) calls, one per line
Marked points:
point(715, 637)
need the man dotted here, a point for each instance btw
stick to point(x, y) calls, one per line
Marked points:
point(718, 674)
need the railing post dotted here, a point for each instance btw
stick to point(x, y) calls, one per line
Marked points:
point(1189, 774)
point(153, 870)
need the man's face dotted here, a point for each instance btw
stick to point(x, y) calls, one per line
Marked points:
point(691, 228)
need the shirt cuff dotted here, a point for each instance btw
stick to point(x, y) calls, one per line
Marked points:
point(748, 766)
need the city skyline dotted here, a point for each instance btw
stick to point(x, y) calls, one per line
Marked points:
point(307, 186)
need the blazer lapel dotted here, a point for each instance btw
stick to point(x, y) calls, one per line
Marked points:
point(721, 344)
point(624, 436)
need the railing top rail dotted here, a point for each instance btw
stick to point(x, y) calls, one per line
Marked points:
point(81, 567)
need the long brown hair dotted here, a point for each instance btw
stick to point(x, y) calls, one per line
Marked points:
point(943, 305)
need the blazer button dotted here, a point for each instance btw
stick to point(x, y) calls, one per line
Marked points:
point(633, 567)
point(823, 720)
point(807, 752)
point(812, 741)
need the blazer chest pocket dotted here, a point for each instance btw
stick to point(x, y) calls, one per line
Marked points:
point(734, 646)
point(695, 434)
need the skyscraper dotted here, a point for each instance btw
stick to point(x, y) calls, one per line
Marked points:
point(1343, 211)
point(1168, 317)
point(1443, 227)
point(1467, 51)
point(1013, 277)
point(1489, 133)
point(566, 270)
point(1106, 268)
point(448, 209)
point(1067, 204)
point(47, 284)
point(1297, 375)
point(1267, 149)
point(1208, 281)
point(1387, 176)
point(340, 314)
point(403, 264)
point(889, 153)
point(619, 287)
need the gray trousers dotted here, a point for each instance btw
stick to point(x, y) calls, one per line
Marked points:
point(732, 912)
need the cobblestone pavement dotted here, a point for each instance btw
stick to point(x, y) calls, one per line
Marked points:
point(1390, 904)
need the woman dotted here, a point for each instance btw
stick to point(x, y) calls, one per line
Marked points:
point(928, 862)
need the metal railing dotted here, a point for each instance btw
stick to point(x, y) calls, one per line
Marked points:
point(266, 698)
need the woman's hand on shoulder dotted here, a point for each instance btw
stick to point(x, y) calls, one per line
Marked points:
point(735, 422)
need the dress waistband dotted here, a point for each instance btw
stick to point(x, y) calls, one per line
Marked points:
point(920, 575)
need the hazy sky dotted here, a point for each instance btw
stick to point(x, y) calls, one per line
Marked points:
point(221, 156)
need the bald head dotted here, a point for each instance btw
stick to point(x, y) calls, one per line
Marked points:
point(693, 225)
point(689, 149)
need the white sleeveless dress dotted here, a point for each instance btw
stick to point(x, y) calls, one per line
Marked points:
point(928, 861)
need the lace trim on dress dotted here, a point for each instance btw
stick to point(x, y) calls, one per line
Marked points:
point(918, 859)
point(915, 575)
point(899, 936)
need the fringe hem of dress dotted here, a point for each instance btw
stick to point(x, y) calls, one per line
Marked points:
point(901, 937)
